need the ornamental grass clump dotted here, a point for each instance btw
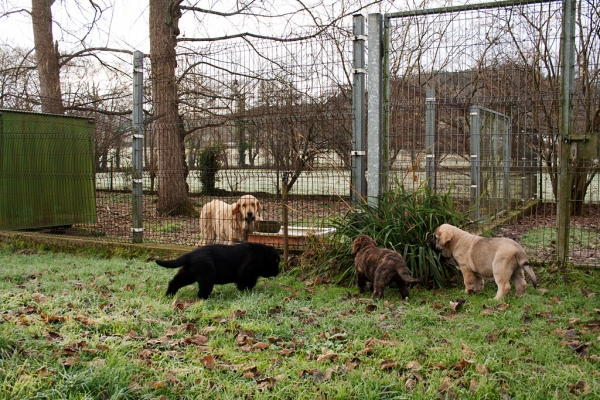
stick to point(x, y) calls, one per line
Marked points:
point(402, 221)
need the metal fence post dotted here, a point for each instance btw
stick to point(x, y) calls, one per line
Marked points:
point(358, 190)
point(475, 163)
point(430, 138)
point(567, 55)
point(375, 108)
point(137, 147)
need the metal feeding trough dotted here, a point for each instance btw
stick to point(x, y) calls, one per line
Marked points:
point(297, 235)
point(268, 226)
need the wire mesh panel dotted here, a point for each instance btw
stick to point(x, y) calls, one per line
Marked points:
point(505, 59)
point(46, 171)
point(250, 113)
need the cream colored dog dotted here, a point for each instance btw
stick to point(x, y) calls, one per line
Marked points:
point(224, 223)
point(480, 258)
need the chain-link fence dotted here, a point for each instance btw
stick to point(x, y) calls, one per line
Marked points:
point(473, 105)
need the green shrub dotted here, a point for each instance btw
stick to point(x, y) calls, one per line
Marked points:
point(403, 221)
point(209, 162)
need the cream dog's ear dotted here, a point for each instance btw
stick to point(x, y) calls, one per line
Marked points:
point(444, 238)
point(236, 208)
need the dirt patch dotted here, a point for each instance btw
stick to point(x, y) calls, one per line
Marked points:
point(584, 234)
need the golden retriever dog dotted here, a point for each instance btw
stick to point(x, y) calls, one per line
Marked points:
point(379, 267)
point(480, 258)
point(229, 223)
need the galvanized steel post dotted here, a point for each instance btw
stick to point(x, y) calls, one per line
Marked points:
point(375, 109)
point(357, 154)
point(475, 162)
point(430, 138)
point(567, 55)
point(137, 146)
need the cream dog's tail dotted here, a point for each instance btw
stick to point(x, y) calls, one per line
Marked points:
point(524, 263)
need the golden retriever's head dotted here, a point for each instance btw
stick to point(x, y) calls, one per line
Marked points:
point(361, 242)
point(442, 239)
point(248, 208)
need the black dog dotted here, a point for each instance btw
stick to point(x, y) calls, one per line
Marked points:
point(217, 264)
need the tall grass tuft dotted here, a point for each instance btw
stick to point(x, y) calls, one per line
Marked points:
point(402, 221)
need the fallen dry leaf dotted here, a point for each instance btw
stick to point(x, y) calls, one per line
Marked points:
point(172, 331)
point(172, 378)
point(413, 365)
point(70, 361)
point(455, 305)
point(440, 366)
point(595, 326)
point(466, 350)
point(133, 335)
point(352, 364)
point(157, 385)
point(581, 387)
point(237, 314)
point(482, 370)
point(52, 336)
point(260, 346)
point(372, 341)
point(461, 365)
point(473, 386)
point(265, 383)
point(208, 361)
point(326, 355)
point(388, 364)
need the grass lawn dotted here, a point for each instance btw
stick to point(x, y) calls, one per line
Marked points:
point(78, 327)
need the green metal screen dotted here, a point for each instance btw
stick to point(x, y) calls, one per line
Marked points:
point(46, 170)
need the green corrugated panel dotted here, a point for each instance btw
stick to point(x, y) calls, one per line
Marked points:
point(46, 170)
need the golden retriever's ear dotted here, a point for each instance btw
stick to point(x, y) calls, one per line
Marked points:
point(258, 208)
point(236, 208)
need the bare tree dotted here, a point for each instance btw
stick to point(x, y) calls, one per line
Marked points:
point(47, 57)
point(164, 29)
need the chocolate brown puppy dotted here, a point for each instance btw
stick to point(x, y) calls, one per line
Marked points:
point(480, 258)
point(379, 267)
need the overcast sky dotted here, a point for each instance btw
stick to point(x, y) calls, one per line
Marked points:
point(124, 23)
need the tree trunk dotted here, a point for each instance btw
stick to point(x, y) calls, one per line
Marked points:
point(47, 57)
point(172, 188)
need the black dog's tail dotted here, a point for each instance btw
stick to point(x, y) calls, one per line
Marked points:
point(176, 263)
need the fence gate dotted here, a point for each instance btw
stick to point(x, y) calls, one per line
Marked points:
point(490, 162)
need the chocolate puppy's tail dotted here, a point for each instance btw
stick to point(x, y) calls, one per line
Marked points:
point(405, 275)
point(176, 263)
